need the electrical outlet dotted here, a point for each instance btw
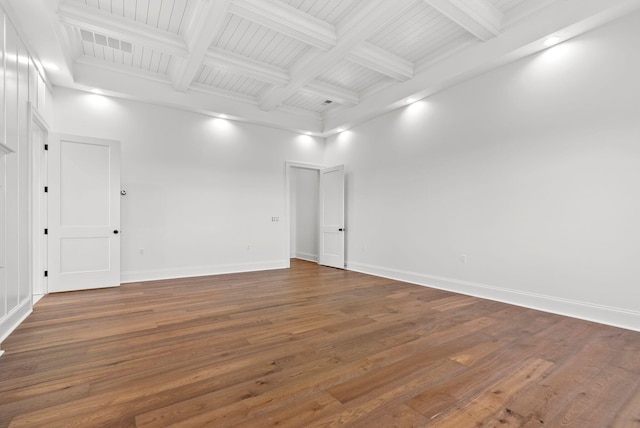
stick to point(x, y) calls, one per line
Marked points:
point(463, 259)
point(141, 251)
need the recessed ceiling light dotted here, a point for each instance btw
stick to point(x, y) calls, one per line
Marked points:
point(411, 100)
point(307, 133)
point(97, 91)
point(550, 41)
point(340, 130)
point(223, 116)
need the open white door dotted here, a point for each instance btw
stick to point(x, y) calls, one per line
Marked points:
point(332, 217)
point(84, 213)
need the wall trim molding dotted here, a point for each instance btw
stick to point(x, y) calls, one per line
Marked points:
point(306, 256)
point(192, 271)
point(617, 317)
point(15, 318)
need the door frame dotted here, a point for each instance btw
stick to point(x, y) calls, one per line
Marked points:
point(37, 181)
point(289, 165)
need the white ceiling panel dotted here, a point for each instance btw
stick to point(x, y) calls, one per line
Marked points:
point(259, 43)
point(331, 11)
point(352, 76)
point(141, 58)
point(222, 79)
point(419, 33)
point(506, 5)
point(309, 102)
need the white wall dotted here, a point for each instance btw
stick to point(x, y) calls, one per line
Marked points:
point(201, 191)
point(306, 205)
point(20, 83)
point(532, 171)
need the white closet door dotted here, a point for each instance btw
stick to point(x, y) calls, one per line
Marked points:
point(84, 213)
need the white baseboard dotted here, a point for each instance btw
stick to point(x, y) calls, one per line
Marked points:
point(37, 298)
point(616, 317)
point(14, 318)
point(306, 256)
point(187, 272)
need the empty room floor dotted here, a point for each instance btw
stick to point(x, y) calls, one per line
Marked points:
point(311, 346)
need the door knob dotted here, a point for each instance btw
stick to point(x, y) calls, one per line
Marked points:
point(341, 230)
point(115, 232)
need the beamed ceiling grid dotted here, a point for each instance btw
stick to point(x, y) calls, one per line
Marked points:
point(313, 59)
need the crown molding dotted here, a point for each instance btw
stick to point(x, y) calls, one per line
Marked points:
point(198, 99)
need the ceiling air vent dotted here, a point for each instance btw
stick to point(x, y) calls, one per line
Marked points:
point(102, 40)
point(326, 102)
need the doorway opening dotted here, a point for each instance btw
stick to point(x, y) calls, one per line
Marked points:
point(315, 213)
point(303, 212)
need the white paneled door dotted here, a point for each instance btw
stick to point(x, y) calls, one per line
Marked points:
point(84, 213)
point(332, 217)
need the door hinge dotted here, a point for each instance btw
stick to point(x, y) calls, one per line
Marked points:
point(46, 231)
point(46, 273)
point(46, 147)
point(46, 189)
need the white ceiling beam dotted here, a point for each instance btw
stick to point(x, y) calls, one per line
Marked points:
point(81, 16)
point(331, 92)
point(247, 67)
point(479, 17)
point(222, 93)
point(355, 30)
point(287, 20)
point(147, 90)
point(208, 21)
point(122, 69)
point(382, 61)
point(74, 38)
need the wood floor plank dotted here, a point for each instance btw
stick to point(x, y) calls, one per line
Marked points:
point(399, 416)
point(295, 413)
point(446, 395)
point(629, 414)
point(600, 400)
point(382, 397)
point(546, 399)
point(492, 401)
point(310, 346)
point(301, 385)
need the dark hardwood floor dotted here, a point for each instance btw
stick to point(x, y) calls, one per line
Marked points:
point(311, 347)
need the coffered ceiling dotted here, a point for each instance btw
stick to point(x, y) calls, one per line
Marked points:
point(306, 65)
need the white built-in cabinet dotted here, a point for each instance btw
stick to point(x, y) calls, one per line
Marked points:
point(22, 87)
